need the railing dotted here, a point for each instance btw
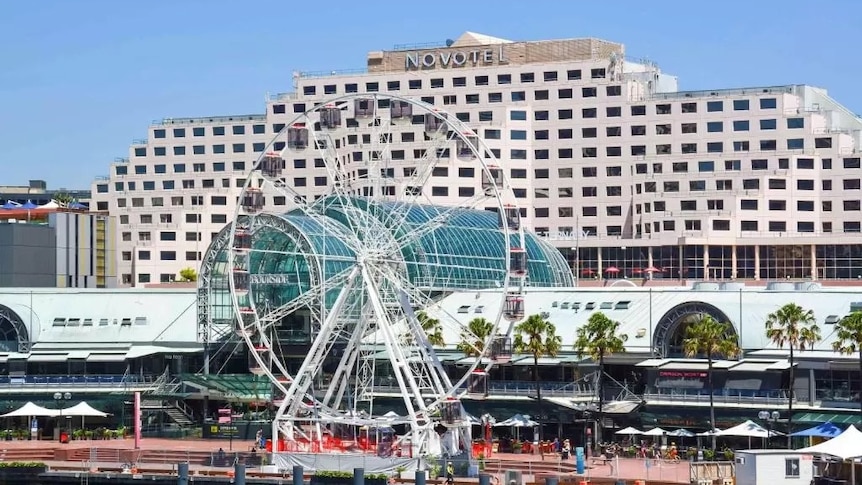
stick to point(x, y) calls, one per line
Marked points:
point(78, 381)
point(337, 72)
point(724, 396)
point(518, 388)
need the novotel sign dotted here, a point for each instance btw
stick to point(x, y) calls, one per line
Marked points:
point(431, 60)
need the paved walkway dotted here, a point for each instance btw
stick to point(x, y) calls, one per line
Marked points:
point(623, 468)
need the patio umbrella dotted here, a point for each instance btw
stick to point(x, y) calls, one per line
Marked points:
point(629, 431)
point(612, 270)
point(655, 432)
point(681, 433)
point(823, 430)
point(518, 421)
point(588, 271)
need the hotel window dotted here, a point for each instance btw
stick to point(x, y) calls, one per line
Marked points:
point(485, 116)
point(714, 106)
point(696, 185)
point(238, 129)
point(573, 74)
point(851, 184)
point(688, 205)
point(121, 170)
point(527, 77)
point(159, 151)
point(662, 129)
point(777, 226)
point(481, 80)
point(824, 142)
point(504, 79)
point(519, 96)
point(179, 151)
point(495, 97)
point(564, 114)
point(437, 83)
point(564, 93)
point(740, 125)
point(141, 152)
point(598, 73)
point(541, 115)
point(639, 110)
point(329, 89)
point(740, 105)
point(688, 128)
point(777, 184)
point(472, 99)
point(769, 124)
point(614, 131)
point(589, 92)
point(638, 150)
point(663, 109)
point(550, 76)
point(589, 113)
point(588, 172)
point(688, 107)
point(714, 127)
point(768, 103)
point(715, 147)
point(541, 95)
point(518, 115)
point(613, 111)
point(589, 192)
point(795, 144)
point(492, 134)
point(733, 165)
point(159, 133)
point(351, 88)
point(638, 130)
point(768, 144)
point(459, 82)
point(777, 205)
point(393, 85)
point(795, 123)
point(852, 226)
point(849, 163)
point(614, 90)
point(518, 134)
point(563, 134)
point(804, 184)
point(447, 99)
point(805, 205)
point(706, 166)
point(218, 130)
point(415, 83)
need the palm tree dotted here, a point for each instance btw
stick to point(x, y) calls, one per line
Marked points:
point(715, 339)
point(849, 337)
point(432, 328)
point(537, 337)
point(796, 327)
point(473, 339)
point(599, 338)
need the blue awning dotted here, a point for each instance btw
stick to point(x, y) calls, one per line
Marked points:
point(825, 430)
point(29, 205)
point(9, 205)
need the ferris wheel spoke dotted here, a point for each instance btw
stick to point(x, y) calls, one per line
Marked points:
point(305, 300)
point(414, 186)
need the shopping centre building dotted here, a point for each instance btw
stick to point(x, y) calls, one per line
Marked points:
point(619, 169)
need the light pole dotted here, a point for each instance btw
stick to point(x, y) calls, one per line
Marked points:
point(59, 398)
point(770, 418)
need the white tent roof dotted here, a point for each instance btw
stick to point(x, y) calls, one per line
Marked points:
point(50, 205)
point(31, 409)
point(681, 433)
point(655, 432)
point(846, 445)
point(748, 429)
point(83, 409)
point(518, 421)
point(629, 431)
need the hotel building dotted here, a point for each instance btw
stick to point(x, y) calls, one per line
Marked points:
point(610, 161)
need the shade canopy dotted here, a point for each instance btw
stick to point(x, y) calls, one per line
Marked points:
point(29, 205)
point(844, 446)
point(748, 429)
point(31, 409)
point(9, 205)
point(629, 431)
point(518, 421)
point(655, 432)
point(681, 433)
point(824, 430)
point(83, 409)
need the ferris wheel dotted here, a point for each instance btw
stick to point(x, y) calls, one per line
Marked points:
point(334, 285)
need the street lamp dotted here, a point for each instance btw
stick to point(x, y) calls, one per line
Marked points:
point(770, 418)
point(60, 397)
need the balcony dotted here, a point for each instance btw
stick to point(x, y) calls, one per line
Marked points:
point(513, 388)
point(720, 396)
point(81, 383)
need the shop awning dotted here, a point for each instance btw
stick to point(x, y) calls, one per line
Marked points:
point(834, 418)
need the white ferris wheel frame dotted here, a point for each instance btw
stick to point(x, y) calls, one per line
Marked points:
point(299, 403)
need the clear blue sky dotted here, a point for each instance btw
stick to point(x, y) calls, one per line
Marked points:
point(79, 80)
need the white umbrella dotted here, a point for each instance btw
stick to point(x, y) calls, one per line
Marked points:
point(83, 409)
point(629, 431)
point(31, 409)
point(681, 433)
point(518, 421)
point(748, 429)
point(655, 432)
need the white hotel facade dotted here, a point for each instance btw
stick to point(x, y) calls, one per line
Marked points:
point(608, 159)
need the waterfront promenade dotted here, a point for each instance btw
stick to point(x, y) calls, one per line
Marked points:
point(158, 455)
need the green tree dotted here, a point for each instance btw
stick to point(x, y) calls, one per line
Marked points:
point(795, 327)
point(599, 338)
point(188, 275)
point(713, 339)
point(432, 328)
point(537, 337)
point(474, 337)
point(63, 198)
point(849, 338)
